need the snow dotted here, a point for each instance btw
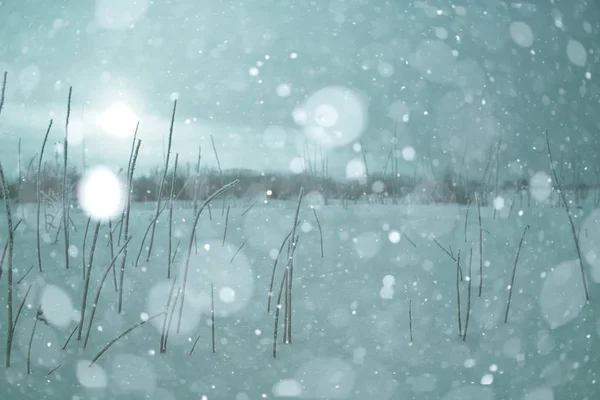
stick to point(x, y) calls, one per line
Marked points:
point(521, 33)
point(57, 306)
point(375, 315)
point(562, 297)
point(334, 116)
point(351, 322)
point(576, 53)
point(409, 153)
point(356, 169)
point(120, 14)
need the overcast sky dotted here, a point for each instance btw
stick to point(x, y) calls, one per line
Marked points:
point(266, 77)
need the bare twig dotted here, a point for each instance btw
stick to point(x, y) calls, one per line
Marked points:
point(512, 280)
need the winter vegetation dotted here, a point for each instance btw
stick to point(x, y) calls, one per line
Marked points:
point(241, 253)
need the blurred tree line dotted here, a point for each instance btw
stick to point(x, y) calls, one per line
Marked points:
point(449, 188)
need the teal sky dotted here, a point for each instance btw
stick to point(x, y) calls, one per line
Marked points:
point(454, 76)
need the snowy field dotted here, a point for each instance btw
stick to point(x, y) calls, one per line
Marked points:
point(381, 280)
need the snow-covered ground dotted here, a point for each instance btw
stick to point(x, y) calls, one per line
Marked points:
point(351, 325)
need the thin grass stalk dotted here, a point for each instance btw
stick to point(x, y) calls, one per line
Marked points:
point(126, 229)
point(87, 280)
point(87, 227)
point(291, 253)
point(115, 340)
point(277, 310)
point(65, 192)
point(458, 295)
point(171, 202)
point(162, 181)
point(19, 173)
point(131, 153)
point(467, 219)
point(512, 280)
point(290, 284)
point(53, 370)
point(496, 183)
point(25, 276)
point(164, 350)
point(320, 231)
point(212, 315)
point(480, 244)
point(286, 299)
point(163, 333)
point(212, 141)
point(468, 296)
point(248, 209)
point(38, 193)
point(225, 230)
point(21, 307)
point(112, 253)
point(570, 217)
point(191, 243)
point(238, 250)
point(410, 327)
point(196, 180)
point(3, 92)
point(175, 252)
point(194, 345)
point(270, 293)
point(97, 298)
point(37, 318)
point(139, 255)
point(9, 270)
point(70, 337)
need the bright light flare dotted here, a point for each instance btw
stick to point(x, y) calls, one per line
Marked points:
point(101, 194)
point(118, 120)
